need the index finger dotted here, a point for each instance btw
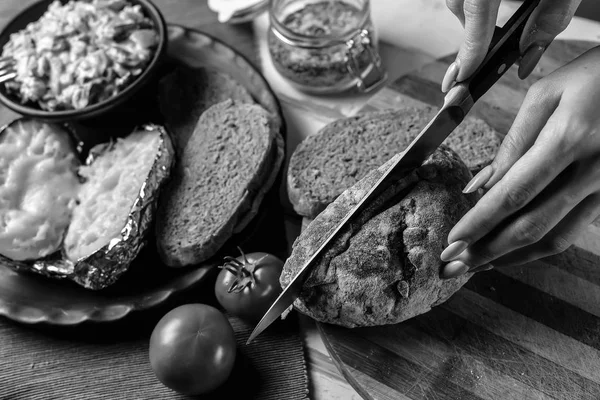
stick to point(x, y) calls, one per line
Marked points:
point(528, 176)
point(480, 22)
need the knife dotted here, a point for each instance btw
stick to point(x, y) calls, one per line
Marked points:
point(503, 53)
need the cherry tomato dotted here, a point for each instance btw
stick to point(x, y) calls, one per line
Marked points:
point(248, 285)
point(192, 349)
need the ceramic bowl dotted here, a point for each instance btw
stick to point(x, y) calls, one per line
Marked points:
point(32, 14)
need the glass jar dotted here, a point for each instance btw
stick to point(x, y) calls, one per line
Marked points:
point(325, 46)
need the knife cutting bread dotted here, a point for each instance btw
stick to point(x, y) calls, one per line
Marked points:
point(344, 151)
point(342, 225)
point(384, 268)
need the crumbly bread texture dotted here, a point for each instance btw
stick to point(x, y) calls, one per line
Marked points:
point(215, 182)
point(344, 151)
point(38, 188)
point(384, 268)
point(112, 185)
point(274, 163)
point(186, 92)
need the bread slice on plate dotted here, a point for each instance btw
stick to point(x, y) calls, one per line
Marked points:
point(344, 151)
point(221, 174)
point(186, 92)
point(384, 268)
point(274, 164)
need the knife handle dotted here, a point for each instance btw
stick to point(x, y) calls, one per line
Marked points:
point(503, 53)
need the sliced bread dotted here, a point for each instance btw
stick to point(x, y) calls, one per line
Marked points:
point(344, 151)
point(218, 177)
point(384, 268)
point(186, 92)
point(274, 165)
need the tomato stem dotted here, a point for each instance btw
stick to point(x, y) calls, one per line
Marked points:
point(243, 272)
point(243, 255)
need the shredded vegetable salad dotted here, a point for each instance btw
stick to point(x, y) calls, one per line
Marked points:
point(80, 53)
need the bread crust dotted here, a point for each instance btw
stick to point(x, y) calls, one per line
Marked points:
point(384, 268)
point(275, 164)
point(186, 92)
point(344, 151)
point(217, 183)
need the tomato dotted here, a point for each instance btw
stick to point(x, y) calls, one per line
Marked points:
point(248, 285)
point(192, 349)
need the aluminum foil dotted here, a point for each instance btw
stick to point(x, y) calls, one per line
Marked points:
point(104, 267)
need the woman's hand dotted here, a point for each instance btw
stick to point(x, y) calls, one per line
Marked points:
point(544, 184)
point(478, 17)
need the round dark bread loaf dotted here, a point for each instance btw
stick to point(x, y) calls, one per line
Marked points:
point(344, 151)
point(384, 268)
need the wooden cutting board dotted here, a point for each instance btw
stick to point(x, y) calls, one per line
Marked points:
point(530, 332)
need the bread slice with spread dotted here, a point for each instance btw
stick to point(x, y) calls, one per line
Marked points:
point(38, 188)
point(84, 222)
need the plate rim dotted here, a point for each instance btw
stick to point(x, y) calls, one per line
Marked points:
point(25, 314)
point(250, 63)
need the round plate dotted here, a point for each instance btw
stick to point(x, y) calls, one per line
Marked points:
point(30, 298)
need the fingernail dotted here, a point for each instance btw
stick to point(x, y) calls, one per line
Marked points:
point(450, 77)
point(481, 268)
point(453, 250)
point(454, 270)
point(479, 180)
point(530, 59)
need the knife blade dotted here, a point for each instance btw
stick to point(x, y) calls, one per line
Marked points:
point(503, 53)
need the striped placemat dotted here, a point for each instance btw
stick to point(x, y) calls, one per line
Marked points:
point(111, 363)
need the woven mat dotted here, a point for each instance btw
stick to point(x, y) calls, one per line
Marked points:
point(97, 362)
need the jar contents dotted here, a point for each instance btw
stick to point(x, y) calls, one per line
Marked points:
point(324, 68)
point(324, 18)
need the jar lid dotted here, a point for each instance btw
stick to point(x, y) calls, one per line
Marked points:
point(238, 11)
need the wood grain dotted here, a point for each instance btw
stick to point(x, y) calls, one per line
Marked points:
point(530, 332)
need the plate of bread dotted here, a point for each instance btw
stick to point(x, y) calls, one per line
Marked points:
point(101, 218)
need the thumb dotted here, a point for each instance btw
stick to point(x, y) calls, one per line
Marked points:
point(550, 18)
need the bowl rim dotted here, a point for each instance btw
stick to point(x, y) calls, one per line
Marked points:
point(152, 11)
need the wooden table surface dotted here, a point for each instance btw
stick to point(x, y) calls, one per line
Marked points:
point(526, 332)
point(325, 380)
